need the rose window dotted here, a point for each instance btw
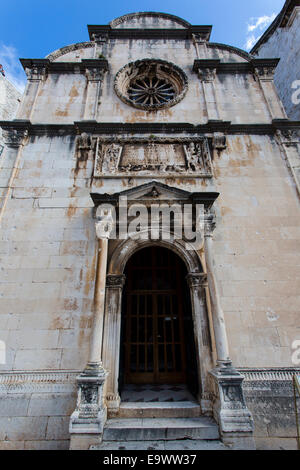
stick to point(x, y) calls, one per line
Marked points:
point(150, 84)
point(150, 91)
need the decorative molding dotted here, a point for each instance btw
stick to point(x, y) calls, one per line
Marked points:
point(38, 381)
point(107, 129)
point(269, 375)
point(64, 381)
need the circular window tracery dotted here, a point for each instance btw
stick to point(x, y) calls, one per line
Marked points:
point(151, 84)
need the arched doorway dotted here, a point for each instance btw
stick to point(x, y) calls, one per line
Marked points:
point(157, 334)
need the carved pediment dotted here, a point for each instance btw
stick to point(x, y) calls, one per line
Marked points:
point(156, 192)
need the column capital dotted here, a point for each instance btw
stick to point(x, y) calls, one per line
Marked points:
point(201, 38)
point(36, 72)
point(95, 74)
point(219, 141)
point(207, 75)
point(209, 224)
point(115, 281)
point(197, 279)
point(100, 38)
point(14, 137)
point(265, 73)
point(288, 136)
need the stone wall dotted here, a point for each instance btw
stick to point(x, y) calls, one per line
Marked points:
point(270, 398)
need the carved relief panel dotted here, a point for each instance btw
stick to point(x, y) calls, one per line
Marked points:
point(157, 157)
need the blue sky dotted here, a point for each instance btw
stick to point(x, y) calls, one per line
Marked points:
point(34, 28)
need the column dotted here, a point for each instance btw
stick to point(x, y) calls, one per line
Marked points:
point(95, 72)
point(265, 74)
point(206, 70)
point(14, 140)
point(200, 41)
point(198, 283)
point(218, 314)
point(289, 142)
point(88, 419)
point(229, 407)
point(111, 341)
point(35, 75)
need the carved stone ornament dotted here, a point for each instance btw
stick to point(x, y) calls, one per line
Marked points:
point(14, 137)
point(201, 37)
point(289, 136)
point(230, 410)
point(89, 415)
point(36, 73)
point(95, 74)
point(115, 281)
point(207, 74)
point(151, 84)
point(104, 224)
point(265, 73)
point(148, 157)
point(197, 279)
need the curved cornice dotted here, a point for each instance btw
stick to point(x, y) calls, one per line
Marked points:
point(245, 55)
point(65, 50)
point(122, 19)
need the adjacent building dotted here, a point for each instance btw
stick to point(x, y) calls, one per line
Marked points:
point(282, 40)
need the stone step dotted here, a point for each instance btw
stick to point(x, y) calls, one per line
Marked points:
point(186, 444)
point(160, 410)
point(152, 429)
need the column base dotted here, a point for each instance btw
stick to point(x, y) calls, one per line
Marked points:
point(88, 419)
point(230, 410)
point(113, 404)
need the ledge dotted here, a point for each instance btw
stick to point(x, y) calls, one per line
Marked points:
point(67, 67)
point(94, 127)
point(108, 32)
point(241, 67)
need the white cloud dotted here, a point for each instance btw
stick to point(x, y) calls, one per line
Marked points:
point(14, 72)
point(257, 25)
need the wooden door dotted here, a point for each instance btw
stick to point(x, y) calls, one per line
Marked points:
point(154, 330)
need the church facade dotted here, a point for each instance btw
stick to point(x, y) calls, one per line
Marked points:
point(149, 245)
